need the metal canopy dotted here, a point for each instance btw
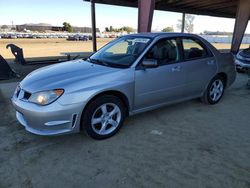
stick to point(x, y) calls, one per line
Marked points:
point(239, 9)
point(220, 8)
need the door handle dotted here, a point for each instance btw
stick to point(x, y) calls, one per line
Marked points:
point(211, 62)
point(176, 69)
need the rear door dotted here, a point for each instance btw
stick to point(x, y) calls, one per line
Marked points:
point(200, 65)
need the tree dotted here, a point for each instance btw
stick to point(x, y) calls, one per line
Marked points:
point(124, 28)
point(4, 27)
point(168, 29)
point(67, 27)
point(189, 23)
point(106, 29)
point(127, 29)
point(111, 28)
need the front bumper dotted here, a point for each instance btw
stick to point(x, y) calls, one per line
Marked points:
point(242, 64)
point(53, 119)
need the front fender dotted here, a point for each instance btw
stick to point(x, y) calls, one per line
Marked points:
point(86, 94)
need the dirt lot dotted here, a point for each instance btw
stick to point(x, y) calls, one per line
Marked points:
point(48, 47)
point(183, 145)
point(53, 47)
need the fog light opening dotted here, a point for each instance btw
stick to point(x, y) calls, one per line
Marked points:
point(74, 120)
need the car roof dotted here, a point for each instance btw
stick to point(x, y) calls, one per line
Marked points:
point(166, 34)
point(154, 35)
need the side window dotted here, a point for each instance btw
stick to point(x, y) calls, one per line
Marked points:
point(193, 50)
point(164, 51)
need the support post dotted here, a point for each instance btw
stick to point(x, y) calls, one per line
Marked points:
point(145, 15)
point(93, 22)
point(241, 21)
point(183, 22)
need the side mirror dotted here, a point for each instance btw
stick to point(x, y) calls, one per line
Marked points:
point(149, 63)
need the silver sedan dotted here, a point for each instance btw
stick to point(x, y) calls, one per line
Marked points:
point(130, 75)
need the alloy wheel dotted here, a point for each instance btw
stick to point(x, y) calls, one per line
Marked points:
point(216, 90)
point(106, 118)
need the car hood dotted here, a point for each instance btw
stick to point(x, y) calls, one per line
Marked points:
point(66, 74)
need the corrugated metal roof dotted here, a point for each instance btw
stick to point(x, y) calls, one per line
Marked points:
point(220, 8)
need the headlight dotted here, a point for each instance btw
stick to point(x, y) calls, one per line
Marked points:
point(45, 97)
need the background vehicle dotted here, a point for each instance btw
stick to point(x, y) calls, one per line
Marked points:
point(12, 36)
point(242, 60)
point(78, 38)
point(130, 75)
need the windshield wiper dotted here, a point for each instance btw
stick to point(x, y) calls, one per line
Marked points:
point(105, 63)
point(97, 61)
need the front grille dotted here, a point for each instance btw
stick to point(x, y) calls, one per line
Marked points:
point(243, 60)
point(22, 94)
point(26, 95)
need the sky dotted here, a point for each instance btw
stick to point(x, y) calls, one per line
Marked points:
point(77, 13)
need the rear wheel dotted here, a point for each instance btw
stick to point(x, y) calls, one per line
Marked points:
point(104, 117)
point(214, 91)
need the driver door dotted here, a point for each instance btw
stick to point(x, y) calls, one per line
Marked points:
point(164, 83)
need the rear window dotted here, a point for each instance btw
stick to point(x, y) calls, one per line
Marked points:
point(193, 50)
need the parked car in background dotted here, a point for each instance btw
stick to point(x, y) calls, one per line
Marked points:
point(83, 38)
point(242, 60)
point(112, 36)
point(36, 35)
point(130, 75)
point(25, 35)
point(19, 36)
point(78, 38)
point(4, 36)
point(40, 36)
point(12, 36)
point(72, 38)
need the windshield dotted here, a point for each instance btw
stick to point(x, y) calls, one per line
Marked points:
point(120, 53)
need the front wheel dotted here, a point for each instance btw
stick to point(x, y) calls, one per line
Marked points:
point(104, 117)
point(214, 91)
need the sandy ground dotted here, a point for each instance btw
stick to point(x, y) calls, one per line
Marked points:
point(184, 145)
point(48, 47)
point(54, 47)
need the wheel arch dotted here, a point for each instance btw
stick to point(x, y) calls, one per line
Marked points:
point(224, 76)
point(221, 74)
point(115, 93)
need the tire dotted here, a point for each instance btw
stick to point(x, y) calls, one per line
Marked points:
point(240, 70)
point(103, 117)
point(213, 94)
